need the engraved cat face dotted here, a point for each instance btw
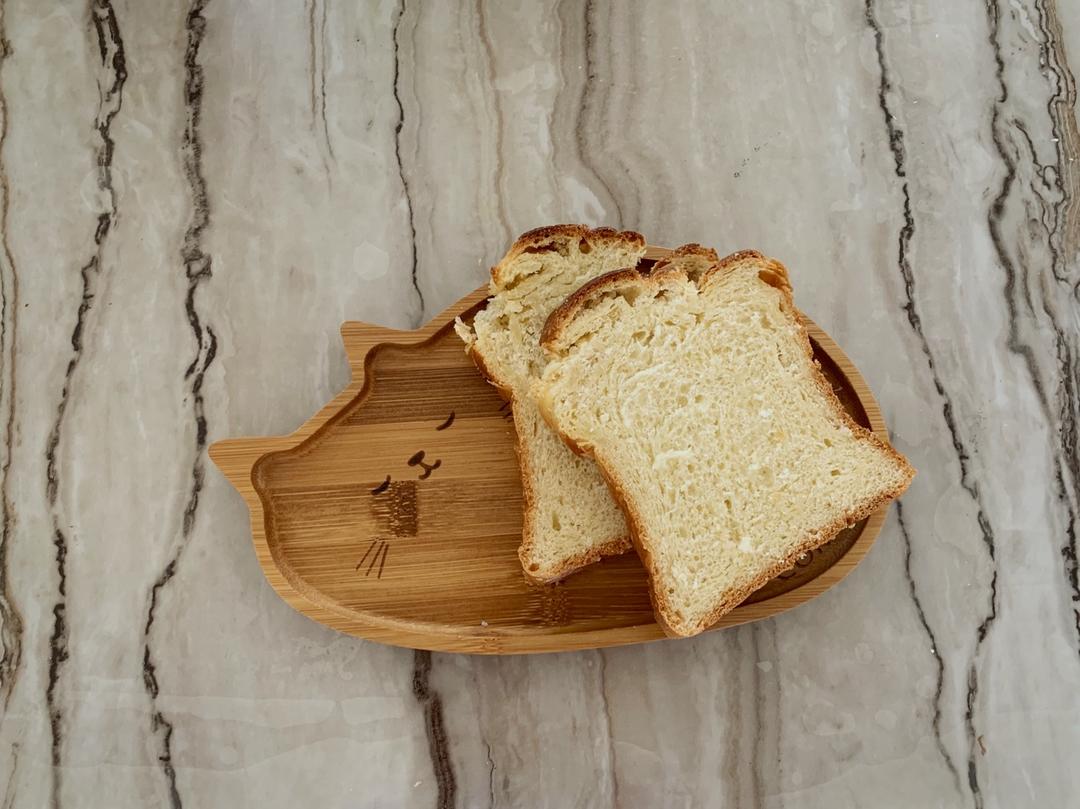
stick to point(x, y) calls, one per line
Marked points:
point(393, 506)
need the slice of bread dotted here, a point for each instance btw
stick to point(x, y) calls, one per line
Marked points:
point(695, 390)
point(570, 518)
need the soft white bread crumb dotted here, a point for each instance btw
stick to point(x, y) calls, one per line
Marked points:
point(570, 518)
point(698, 396)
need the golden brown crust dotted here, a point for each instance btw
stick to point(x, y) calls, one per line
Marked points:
point(775, 274)
point(690, 249)
point(706, 255)
point(666, 267)
point(489, 377)
point(772, 272)
point(811, 541)
point(739, 256)
point(586, 294)
point(555, 237)
point(572, 564)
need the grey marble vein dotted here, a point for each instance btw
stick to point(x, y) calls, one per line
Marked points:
point(197, 267)
point(113, 74)
point(194, 196)
point(434, 725)
point(397, 155)
point(971, 486)
point(10, 618)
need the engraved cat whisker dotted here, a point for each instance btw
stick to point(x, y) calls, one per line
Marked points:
point(365, 556)
point(375, 558)
point(385, 551)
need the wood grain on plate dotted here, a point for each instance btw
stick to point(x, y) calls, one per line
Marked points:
point(395, 512)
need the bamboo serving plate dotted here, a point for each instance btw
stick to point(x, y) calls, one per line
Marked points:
point(394, 513)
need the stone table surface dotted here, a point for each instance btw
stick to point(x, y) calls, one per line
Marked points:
point(194, 195)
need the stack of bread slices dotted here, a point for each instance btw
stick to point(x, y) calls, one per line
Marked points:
point(676, 409)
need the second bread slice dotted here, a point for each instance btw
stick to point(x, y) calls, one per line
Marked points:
point(570, 519)
point(695, 390)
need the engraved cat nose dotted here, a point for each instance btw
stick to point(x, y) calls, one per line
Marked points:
point(418, 458)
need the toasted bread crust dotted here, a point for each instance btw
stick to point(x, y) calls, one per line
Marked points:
point(549, 237)
point(586, 294)
point(489, 377)
point(706, 255)
point(772, 273)
point(594, 291)
point(691, 249)
point(572, 564)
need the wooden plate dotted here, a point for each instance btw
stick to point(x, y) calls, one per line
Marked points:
point(395, 512)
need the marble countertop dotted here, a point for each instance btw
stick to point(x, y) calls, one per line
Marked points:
point(193, 197)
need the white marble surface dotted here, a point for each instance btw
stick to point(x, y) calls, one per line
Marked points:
point(195, 195)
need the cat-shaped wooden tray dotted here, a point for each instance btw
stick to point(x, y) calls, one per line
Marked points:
point(395, 512)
